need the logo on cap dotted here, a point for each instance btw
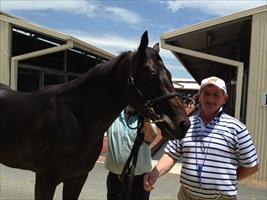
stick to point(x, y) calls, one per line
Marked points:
point(212, 80)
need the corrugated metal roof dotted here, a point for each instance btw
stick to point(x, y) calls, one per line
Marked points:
point(219, 37)
point(54, 34)
point(213, 22)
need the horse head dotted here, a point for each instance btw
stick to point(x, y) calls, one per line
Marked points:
point(151, 92)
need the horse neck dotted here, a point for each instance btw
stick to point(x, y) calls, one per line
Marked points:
point(99, 99)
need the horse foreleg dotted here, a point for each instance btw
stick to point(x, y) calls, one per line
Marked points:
point(44, 187)
point(73, 187)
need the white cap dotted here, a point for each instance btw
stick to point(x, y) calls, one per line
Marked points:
point(214, 81)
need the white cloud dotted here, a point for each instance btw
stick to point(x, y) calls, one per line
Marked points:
point(78, 7)
point(112, 43)
point(215, 7)
point(116, 44)
point(121, 14)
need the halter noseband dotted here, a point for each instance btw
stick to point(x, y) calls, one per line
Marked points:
point(148, 104)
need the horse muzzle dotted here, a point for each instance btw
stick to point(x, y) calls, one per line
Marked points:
point(172, 130)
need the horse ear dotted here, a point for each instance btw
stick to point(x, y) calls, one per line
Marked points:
point(140, 54)
point(137, 61)
point(156, 47)
point(144, 42)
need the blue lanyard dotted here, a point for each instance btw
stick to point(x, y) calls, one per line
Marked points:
point(199, 167)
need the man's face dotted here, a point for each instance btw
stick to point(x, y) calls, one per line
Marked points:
point(211, 98)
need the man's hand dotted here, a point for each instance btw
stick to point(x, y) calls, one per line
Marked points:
point(150, 179)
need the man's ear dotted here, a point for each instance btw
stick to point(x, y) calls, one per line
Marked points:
point(225, 98)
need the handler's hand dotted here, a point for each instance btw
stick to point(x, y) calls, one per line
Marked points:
point(150, 179)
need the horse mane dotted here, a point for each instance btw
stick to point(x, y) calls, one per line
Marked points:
point(99, 70)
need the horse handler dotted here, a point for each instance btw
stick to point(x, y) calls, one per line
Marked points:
point(216, 152)
point(120, 141)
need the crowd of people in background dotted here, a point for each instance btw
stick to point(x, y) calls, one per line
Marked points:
point(190, 100)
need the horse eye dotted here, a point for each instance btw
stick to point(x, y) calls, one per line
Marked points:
point(153, 77)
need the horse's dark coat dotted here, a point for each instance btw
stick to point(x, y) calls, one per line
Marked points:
point(57, 132)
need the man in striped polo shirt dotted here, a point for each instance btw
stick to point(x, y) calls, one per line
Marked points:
point(216, 152)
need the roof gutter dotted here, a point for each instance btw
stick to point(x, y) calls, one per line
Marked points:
point(86, 46)
point(16, 59)
point(214, 22)
point(238, 65)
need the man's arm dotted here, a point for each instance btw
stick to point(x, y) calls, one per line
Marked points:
point(163, 166)
point(244, 172)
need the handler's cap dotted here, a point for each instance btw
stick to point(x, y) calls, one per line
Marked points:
point(213, 80)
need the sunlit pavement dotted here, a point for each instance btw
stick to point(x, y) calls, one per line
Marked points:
point(19, 185)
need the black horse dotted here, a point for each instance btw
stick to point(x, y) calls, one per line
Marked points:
point(57, 132)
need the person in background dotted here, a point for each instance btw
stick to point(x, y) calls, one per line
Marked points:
point(120, 141)
point(216, 152)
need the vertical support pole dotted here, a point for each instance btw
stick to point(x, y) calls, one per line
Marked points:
point(5, 52)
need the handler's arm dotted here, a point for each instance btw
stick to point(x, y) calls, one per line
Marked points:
point(163, 166)
point(244, 172)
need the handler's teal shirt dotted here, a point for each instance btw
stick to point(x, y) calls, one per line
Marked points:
point(120, 141)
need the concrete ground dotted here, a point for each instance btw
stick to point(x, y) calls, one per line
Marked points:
point(19, 185)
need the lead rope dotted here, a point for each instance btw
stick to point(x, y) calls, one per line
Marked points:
point(127, 176)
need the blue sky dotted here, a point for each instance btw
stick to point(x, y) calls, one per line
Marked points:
point(116, 25)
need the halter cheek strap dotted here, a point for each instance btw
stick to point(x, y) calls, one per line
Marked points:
point(148, 104)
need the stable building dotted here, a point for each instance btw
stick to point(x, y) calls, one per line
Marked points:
point(32, 56)
point(234, 48)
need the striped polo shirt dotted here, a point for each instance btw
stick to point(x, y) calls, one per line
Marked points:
point(220, 147)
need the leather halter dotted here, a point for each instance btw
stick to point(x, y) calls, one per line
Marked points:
point(128, 171)
point(148, 104)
